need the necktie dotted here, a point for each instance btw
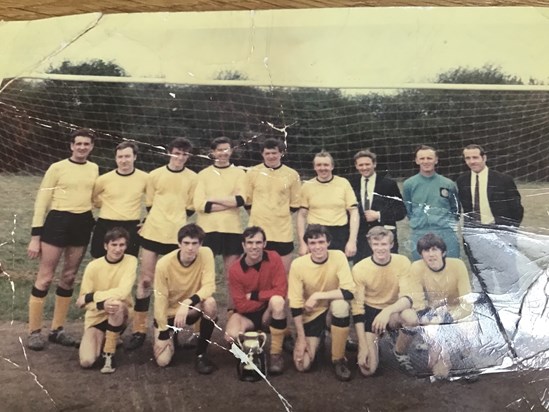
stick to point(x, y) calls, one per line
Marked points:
point(476, 200)
point(366, 200)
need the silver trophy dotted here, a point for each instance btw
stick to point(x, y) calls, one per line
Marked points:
point(252, 343)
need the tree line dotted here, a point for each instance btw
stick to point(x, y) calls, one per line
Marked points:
point(35, 116)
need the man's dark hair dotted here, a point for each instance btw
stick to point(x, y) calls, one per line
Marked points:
point(125, 145)
point(252, 231)
point(180, 143)
point(83, 133)
point(429, 241)
point(117, 233)
point(220, 140)
point(315, 231)
point(475, 146)
point(365, 153)
point(272, 143)
point(425, 147)
point(191, 230)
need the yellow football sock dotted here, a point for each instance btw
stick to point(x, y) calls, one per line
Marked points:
point(36, 311)
point(140, 322)
point(62, 304)
point(339, 338)
point(111, 338)
point(277, 337)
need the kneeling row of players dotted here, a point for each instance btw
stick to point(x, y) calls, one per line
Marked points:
point(383, 293)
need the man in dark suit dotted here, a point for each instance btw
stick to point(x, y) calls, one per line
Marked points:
point(379, 202)
point(492, 210)
point(498, 197)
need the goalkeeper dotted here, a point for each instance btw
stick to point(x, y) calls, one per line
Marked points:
point(431, 202)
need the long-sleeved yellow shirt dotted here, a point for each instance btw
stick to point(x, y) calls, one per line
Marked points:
point(67, 186)
point(219, 182)
point(378, 285)
point(272, 193)
point(120, 197)
point(432, 289)
point(107, 281)
point(307, 277)
point(169, 195)
point(328, 202)
point(173, 283)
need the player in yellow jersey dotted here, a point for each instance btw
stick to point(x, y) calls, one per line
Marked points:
point(330, 201)
point(436, 290)
point(319, 282)
point(119, 195)
point(106, 293)
point(376, 306)
point(61, 226)
point(183, 285)
point(169, 199)
point(273, 195)
point(219, 196)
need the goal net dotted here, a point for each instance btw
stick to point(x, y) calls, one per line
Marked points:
point(510, 122)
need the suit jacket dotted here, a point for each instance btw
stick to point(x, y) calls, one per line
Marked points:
point(503, 197)
point(386, 199)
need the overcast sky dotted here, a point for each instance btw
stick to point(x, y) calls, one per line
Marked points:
point(321, 47)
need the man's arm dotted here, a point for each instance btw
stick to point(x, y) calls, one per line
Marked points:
point(207, 284)
point(301, 341)
point(219, 204)
point(238, 291)
point(41, 207)
point(279, 285)
point(237, 198)
point(295, 192)
point(455, 207)
point(515, 208)
point(379, 325)
point(161, 295)
point(464, 308)
point(407, 197)
point(312, 301)
point(301, 223)
point(124, 288)
point(393, 209)
point(86, 287)
point(98, 188)
point(350, 247)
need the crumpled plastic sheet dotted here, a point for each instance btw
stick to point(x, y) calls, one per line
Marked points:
point(508, 328)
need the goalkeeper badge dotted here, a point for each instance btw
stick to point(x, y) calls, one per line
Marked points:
point(252, 344)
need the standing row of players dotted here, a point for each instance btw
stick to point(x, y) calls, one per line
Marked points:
point(63, 219)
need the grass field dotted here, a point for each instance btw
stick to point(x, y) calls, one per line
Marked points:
point(15, 222)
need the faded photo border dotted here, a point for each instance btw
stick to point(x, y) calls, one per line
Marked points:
point(334, 79)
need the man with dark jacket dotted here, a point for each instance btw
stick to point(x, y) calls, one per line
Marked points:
point(379, 202)
point(492, 210)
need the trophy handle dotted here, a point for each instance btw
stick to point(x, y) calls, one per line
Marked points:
point(262, 338)
point(239, 339)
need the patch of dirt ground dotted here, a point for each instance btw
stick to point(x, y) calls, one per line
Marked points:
point(53, 380)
